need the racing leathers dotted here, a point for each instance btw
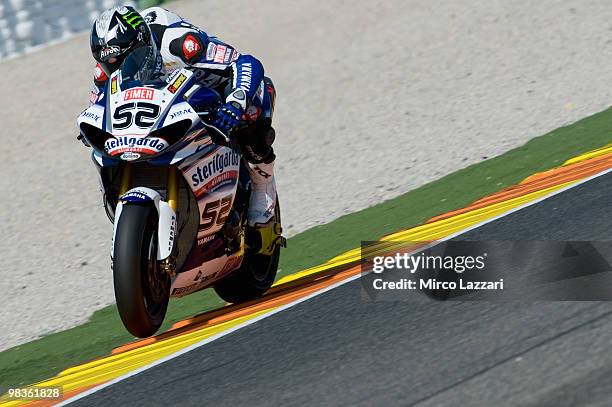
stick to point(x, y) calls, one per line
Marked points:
point(249, 96)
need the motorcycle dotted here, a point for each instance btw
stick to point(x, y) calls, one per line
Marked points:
point(177, 191)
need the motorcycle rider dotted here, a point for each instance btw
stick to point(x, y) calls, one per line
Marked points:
point(239, 79)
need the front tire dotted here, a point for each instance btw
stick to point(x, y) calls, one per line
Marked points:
point(254, 277)
point(142, 290)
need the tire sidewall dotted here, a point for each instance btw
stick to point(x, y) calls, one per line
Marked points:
point(137, 224)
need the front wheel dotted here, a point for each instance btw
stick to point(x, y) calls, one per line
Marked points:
point(255, 276)
point(142, 290)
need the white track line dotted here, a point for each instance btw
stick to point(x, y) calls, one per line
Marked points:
point(306, 298)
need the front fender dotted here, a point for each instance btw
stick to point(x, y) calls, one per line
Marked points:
point(166, 225)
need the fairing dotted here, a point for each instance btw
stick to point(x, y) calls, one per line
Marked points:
point(140, 121)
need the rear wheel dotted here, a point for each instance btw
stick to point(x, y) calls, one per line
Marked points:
point(142, 290)
point(254, 277)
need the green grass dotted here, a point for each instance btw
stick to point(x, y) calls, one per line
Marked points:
point(45, 357)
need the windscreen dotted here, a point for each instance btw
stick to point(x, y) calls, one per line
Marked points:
point(143, 66)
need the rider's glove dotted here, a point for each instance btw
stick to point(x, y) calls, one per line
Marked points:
point(229, 117)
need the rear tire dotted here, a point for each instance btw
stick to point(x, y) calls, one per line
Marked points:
point(142, 290)
point(254, 277)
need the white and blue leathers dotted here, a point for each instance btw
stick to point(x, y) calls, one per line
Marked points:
point(238, 78)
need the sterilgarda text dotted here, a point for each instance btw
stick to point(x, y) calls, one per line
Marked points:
point(125, 141)
point(215, 166)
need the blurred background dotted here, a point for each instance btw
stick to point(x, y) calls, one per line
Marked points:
point(375, 98)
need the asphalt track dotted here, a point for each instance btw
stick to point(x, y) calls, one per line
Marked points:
point(340, 349)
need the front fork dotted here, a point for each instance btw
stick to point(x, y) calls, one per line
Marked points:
point(126, 180)
point(172, 187)
point(168, 264)
point(172, 198)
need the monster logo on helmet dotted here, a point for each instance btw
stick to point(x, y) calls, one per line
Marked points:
point(133, 18)
point(116, 33)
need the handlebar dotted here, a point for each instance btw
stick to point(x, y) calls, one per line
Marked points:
point(225, 137)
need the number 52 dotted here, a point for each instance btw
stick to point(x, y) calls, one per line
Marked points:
point(215, 212)
point(144, 117)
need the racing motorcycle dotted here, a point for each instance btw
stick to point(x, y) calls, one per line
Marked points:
point(177, 191)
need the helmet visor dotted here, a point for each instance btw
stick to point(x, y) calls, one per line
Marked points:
point(111, 57)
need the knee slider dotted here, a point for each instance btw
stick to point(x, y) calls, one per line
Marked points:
point(256, 145)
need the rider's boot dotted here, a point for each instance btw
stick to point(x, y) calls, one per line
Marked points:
point(264, 233)
point(263, 194)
